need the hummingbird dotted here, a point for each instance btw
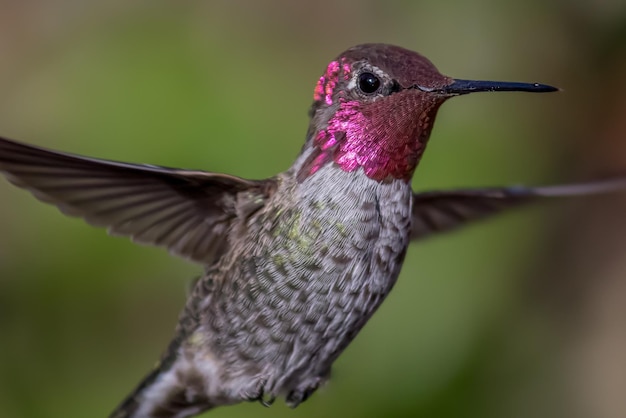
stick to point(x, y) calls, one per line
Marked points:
point(296, 264)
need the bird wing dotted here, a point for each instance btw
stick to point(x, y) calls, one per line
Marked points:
point(440, 211)
point(187, 212)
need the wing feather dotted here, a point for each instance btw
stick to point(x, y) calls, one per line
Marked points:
point(188, 212)
point(440, 211)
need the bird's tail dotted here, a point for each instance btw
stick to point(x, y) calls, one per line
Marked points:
point(168, 391)
point(132, 403)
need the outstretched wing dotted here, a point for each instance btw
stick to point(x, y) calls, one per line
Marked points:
point(187, 212)
point(441, 211)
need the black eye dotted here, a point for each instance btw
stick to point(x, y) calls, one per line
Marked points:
point(368, 83)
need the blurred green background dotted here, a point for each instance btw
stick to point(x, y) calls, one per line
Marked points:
point(522, 316)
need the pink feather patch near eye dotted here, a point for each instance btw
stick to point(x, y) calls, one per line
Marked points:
point(325, 87)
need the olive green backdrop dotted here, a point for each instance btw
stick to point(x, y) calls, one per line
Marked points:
point(517, 317)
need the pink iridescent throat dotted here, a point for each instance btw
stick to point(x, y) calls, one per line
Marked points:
point(385, 137)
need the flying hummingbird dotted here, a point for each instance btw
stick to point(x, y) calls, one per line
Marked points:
point(296, 264)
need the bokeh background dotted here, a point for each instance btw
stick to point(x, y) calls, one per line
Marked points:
point(523, 316)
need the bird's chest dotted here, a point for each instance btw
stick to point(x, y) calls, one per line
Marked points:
point(343, 239)
point(300, 290)
point(324, 264)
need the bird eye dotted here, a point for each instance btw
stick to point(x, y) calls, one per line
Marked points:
point(369, 83)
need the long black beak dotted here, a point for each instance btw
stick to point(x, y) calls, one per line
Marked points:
point(472, 86)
